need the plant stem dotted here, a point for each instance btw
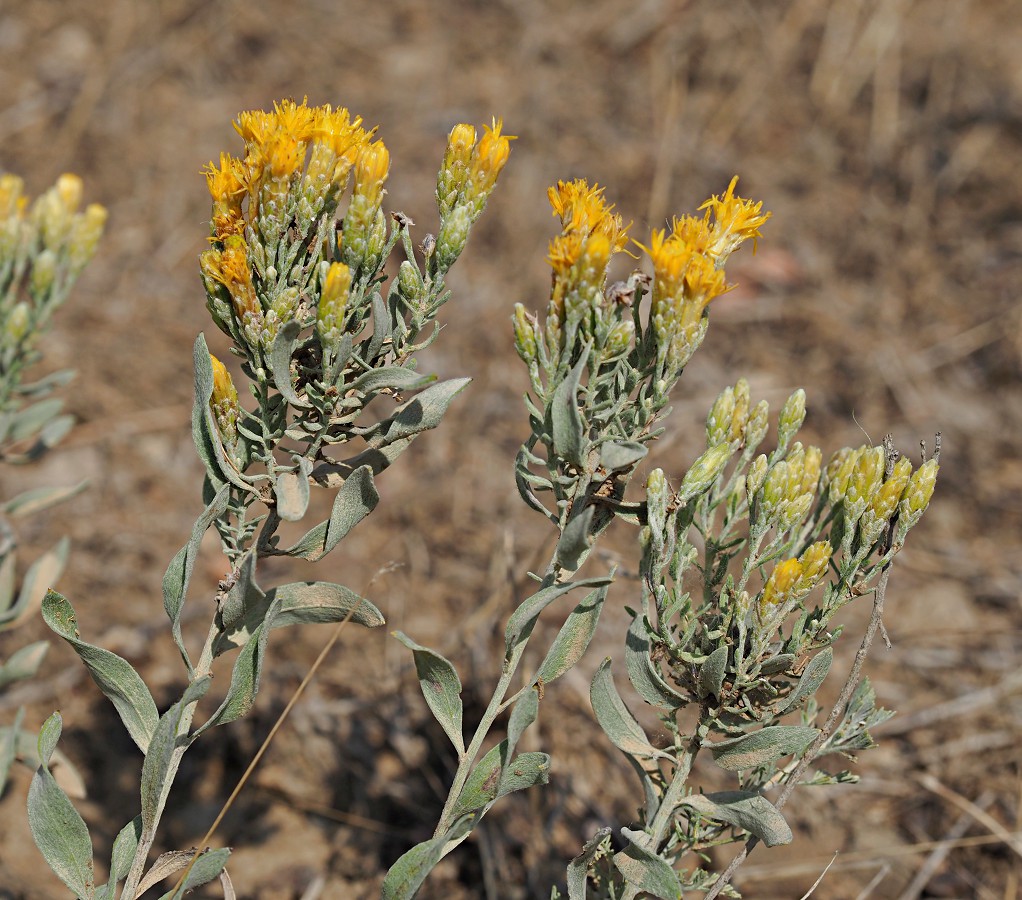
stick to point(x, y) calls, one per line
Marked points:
point(145, 841)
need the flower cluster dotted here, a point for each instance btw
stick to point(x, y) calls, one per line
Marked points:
point(44, 246)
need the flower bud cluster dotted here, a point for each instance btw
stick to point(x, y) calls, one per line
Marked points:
point(465, 181)
point(792, 579)
point(44, 246)
point(785, 494)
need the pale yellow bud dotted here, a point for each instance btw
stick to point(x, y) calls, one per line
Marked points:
point(793, 414)
point(704, 472)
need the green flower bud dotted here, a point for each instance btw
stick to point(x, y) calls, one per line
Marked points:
point(918, 493)
point(704, 472)
point(793, 414)
point(86, 231)
point(44, 271)
point(18, 324)
point(757, 425)
point(757, 475)
point(525, 334)
point(409, 280)
point(619, 340)
point(453, 237)
point(718, 422)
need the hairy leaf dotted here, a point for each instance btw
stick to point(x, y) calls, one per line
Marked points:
point(24, 662)
point(642, 673)
point(812, 678)
point(355, 499)
point(291, 491)
point(763, 746)
point(574, 637)
point(280, 362)
point(440, 686)
point(614, 717)
point(747, 810)
point(641, 866)
point(122, 685)
point(38, 579)
point(58, 830)
point(579, 866)
point(712, 672)
point(576, 540)
point(523, 619)
point(566, 426)
point(407, 874)
point(30, 502)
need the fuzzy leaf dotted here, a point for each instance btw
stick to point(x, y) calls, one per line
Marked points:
point(618, 455)
point(407, 874)
point(311, 602)
point(747, 810)
point(179, 572)
point(30, 502)
point(576, 540)
point(204, 432)
point(280, 362)
point(122, 685)
point(40, 575)
point(812, 678)
point(441, 687)
point(763, 746)
point(483, 781)
point(24, 662)
point(579, 866)
point(395, 378)
point(566, 426)
point(523, 714)
point(165, 742)
point(642, 867)
point(712, 672)
point(208, 865)
point(355, 499)
point(523, 619)
point(125, 845)
point(646, 680)
point(291, 490)
point(28, 421)
point(614, 717)
point(26, 751)
point(58, 830)
point(9, 746)
point(573, 638)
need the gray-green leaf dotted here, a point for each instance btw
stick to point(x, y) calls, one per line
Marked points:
point(30, 502)
point(712, 672)
point(567, 428)
point(575, 541)
point(573, 638)
point(614, 717)
point(122, 685)
point(355, 499)
point(24, 662)
point(763, 746)
point(579, 866)
point(812, 678)
point(441, 687)
point(523, 619)
point(291, 490)
point(747, 810)
point(646, 680)
point(642, 867)
point(58, 830)
point(407, 874)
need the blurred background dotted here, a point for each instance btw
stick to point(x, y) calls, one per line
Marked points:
point(885, 137)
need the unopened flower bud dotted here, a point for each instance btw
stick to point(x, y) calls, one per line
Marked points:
point(409, 280)
point(619, 339)
point(919, 491)
point(756, 476)
point(69, 190)
point(85, 234)
point(333, 303)
point(44, 271)
point(224, 403)
point(453, 237)
point(757, 424)
point(866, 478)
point(704, 472)
point(718, 422)
point(525, 334)
point(814, 562)
point(781, 584)
point(18, 324)
point(793, 414)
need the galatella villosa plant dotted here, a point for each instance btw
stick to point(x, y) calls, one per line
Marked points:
point(44, 246)
point(742, 566)
point(294, 276)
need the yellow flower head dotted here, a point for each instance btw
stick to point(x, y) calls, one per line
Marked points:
point(230, 267)
point(735, 221)
point(223, 385)
point(488, 158)
point(781, 584)
point(583, 213)
point(371, 171)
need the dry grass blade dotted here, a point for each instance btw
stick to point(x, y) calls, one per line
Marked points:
point(935, 786)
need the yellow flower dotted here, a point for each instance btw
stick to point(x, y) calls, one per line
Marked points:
point(735, 221)
point(488, 159)
point(371, 171)
point(781, 584)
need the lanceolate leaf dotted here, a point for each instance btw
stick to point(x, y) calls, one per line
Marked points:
point(646, 680)
point(204, 433)
point(575, 540)
point(122, 685)
point(616, 721)
point(57, 829)
point(24, 663)
point(30, 502)
point(38, 579)
point(291, 491)
point(522, 620)
point(309, 602)
point(280, 362)
point(207, 866)
point(712, 672)
point(179, 572)
point(407, 874)
point(9, 746)
point(763, 746)
point(574, 637)
point(440, 686)
point(746, 810)
point(812, 678)
point(566, 424)
point(125, 845)
point(355, 499)
point(579, 866)
point(642, 867)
